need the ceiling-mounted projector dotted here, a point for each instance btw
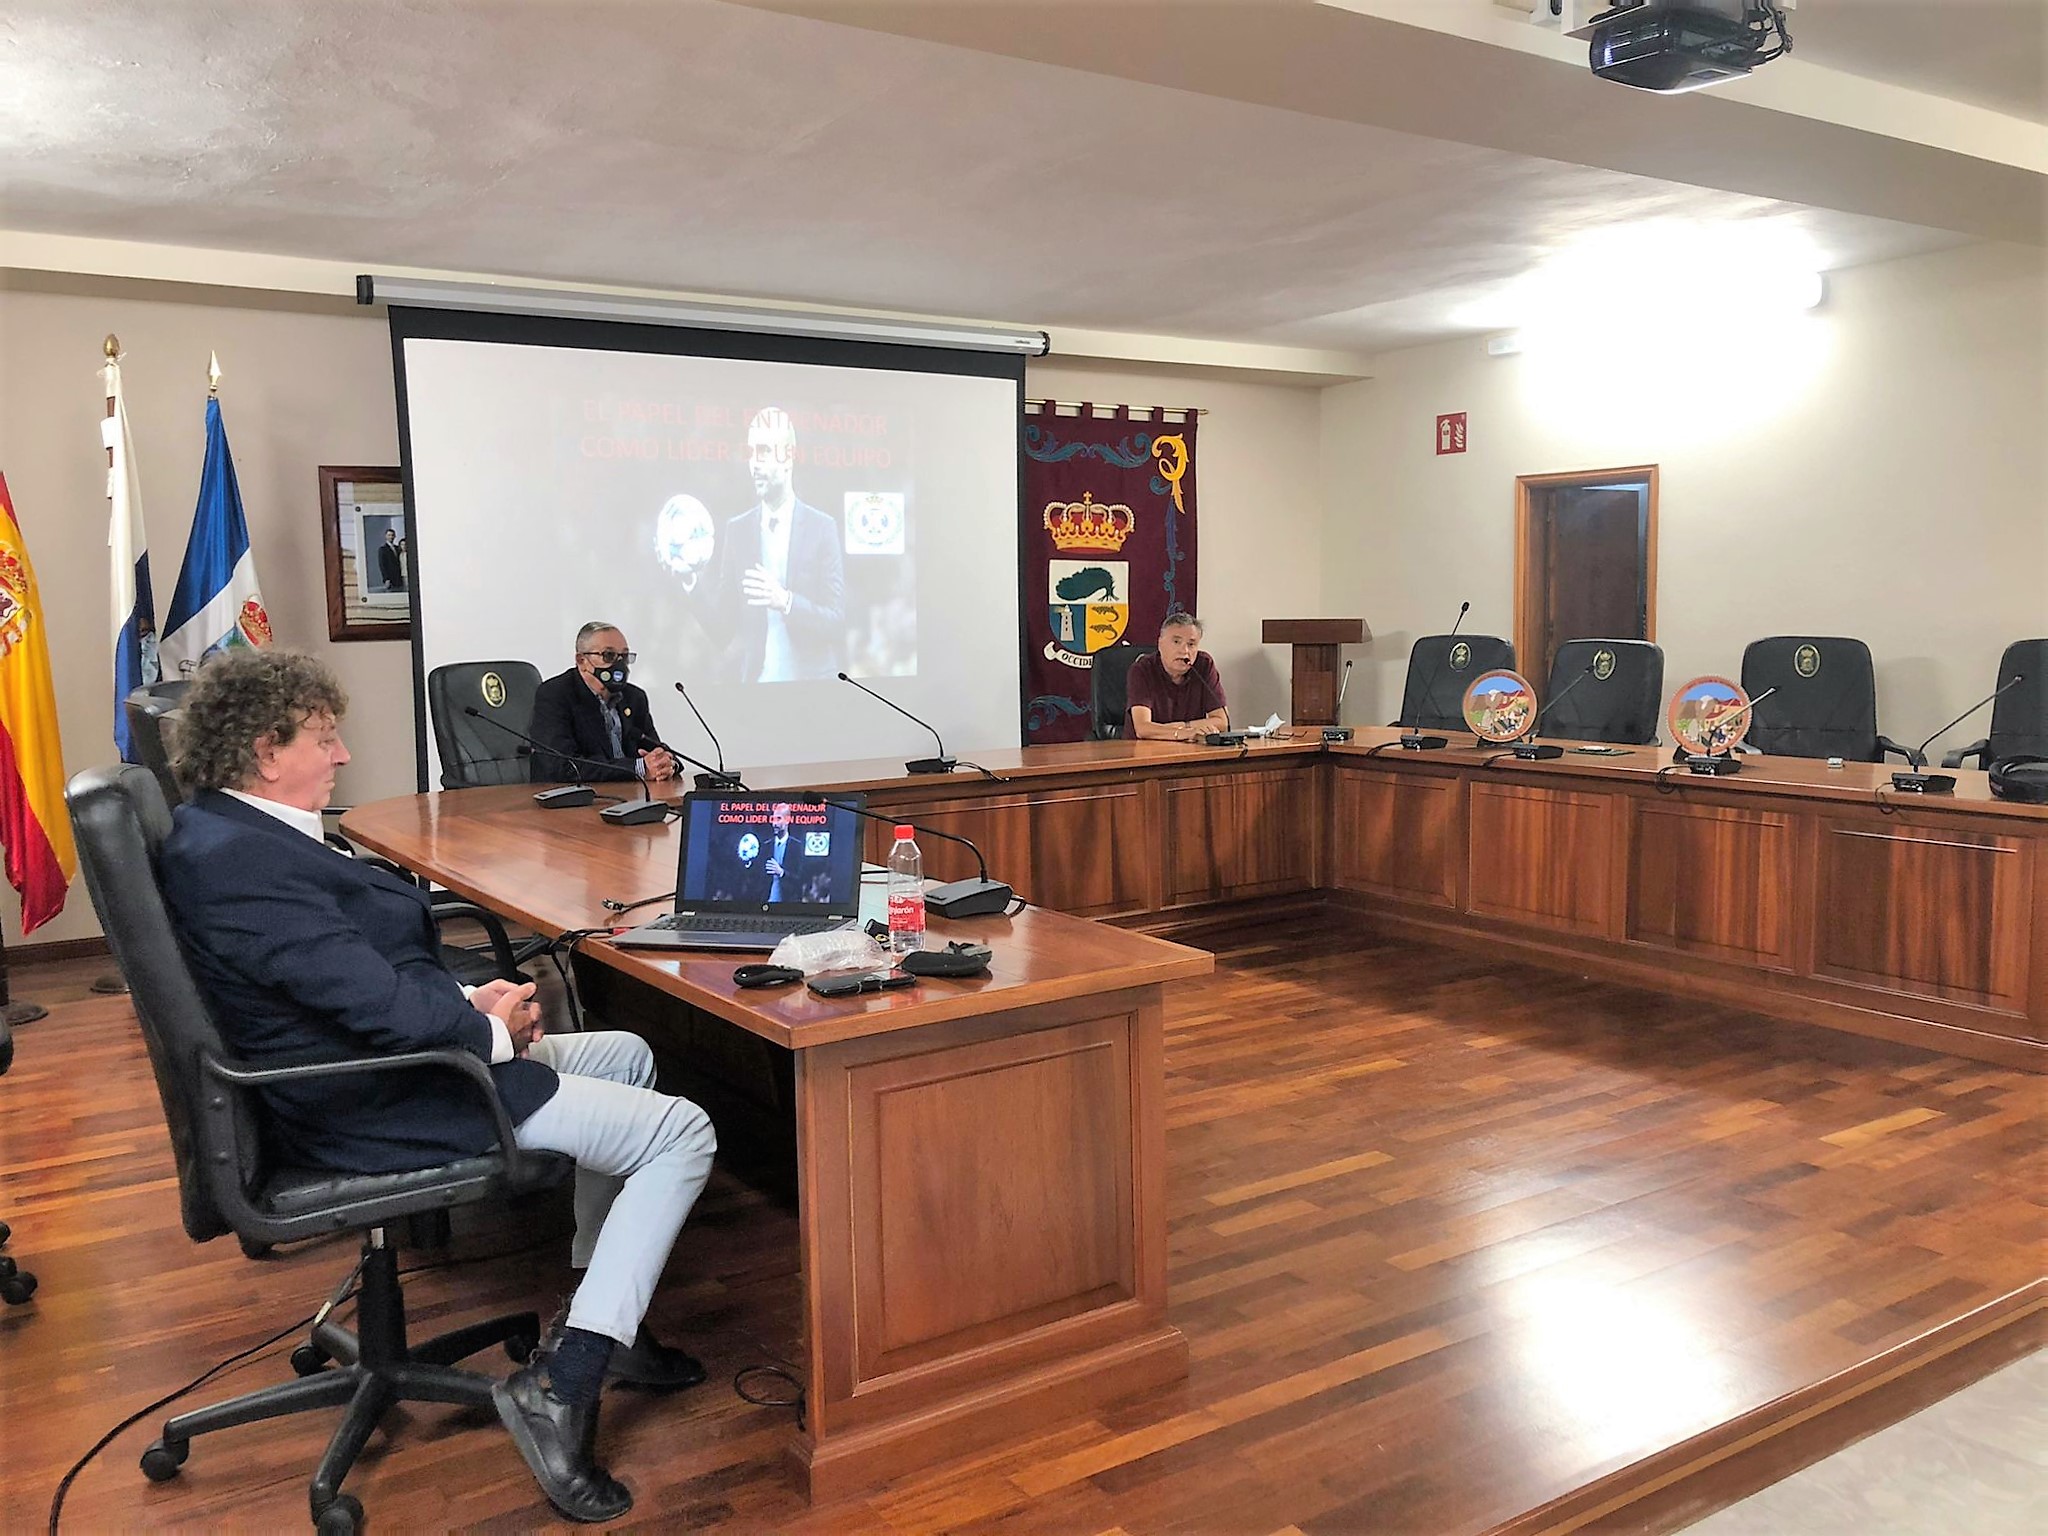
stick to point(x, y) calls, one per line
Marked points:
point(1668, 46)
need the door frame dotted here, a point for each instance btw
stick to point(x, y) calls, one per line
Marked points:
point(1529, 570)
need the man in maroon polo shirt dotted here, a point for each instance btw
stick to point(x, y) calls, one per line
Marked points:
point(1175, 695)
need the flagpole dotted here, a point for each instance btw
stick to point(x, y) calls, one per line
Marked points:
point(110, 985)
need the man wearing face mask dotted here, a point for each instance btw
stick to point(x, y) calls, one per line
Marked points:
point(595, 724)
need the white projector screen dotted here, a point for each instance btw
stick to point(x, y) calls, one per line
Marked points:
point(551, 484)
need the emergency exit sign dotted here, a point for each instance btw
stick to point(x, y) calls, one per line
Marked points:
point(1450, 434)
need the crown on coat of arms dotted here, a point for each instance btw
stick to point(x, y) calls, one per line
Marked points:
point(1084, 525)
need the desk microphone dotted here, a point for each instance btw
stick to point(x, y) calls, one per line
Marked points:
point(1527, 749)
point(562, 797)
point(720, 779)
point(1337, 730)
point(939, 764)
point(1412, 739)
point(1918, 782)
point(960, 898)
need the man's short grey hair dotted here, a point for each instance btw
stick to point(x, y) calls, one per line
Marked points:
point(1180, 618)
point(596, 627)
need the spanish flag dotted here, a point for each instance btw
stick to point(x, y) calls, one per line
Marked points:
point(33, 826)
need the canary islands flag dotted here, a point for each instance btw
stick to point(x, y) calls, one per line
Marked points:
point(216, 603)
point(33, 826)
point(128, 545)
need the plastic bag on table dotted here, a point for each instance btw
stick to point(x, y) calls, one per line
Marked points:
point(847, 948)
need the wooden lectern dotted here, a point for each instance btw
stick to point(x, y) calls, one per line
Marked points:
point(1315, 643)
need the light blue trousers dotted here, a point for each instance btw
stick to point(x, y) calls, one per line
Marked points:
point(641, 1160)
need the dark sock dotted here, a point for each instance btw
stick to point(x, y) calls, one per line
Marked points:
point(576, 1368)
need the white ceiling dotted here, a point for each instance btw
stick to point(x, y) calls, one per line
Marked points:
point(733, 149)
point(1987, 53)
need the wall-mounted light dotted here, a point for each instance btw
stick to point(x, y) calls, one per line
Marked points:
point(579, 304)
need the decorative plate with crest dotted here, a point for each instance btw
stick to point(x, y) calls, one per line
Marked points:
point(1709, 715)
point(1500, 706)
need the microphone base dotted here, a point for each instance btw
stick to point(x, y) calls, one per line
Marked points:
point(565, 797)
point(1924, 783)
point(931, 765)
point(1713, 764)
point(1225, 739)
point(969, 898)
point(635, 813)
point(1415, 741)
point(1336, 733)
point(1537, 752)
point(718, 781)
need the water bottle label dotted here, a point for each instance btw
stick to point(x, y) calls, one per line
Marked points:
point(906, 912)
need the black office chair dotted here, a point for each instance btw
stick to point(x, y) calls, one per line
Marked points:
point(16, 1283)
point(2019, 720)
point(1440, 669)
point(152, 712)
point(474, 751)
point(1620, 700)
point(227, 1183)
point(1825, 703)
point(1108, 678)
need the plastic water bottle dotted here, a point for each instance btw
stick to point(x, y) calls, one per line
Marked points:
point(906, 894)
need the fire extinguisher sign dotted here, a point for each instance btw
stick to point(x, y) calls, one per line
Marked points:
point(1450, 434)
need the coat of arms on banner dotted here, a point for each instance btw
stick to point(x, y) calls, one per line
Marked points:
point(1089, 591)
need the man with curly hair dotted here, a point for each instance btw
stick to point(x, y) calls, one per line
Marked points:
point(308, 954)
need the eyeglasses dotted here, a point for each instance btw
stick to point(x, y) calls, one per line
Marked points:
point(613, 658)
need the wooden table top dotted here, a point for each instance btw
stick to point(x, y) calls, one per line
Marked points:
point(553, 870)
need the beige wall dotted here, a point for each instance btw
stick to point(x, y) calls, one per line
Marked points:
point(1878, 469)
point(307, 382)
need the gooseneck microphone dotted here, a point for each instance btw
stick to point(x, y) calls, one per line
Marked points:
point(959, 898)
point(1412, 739)
point(1718, 762)
point(562, 797)
point(1920, 782)
point(1337, 730)
point(939, 764)
point(719, 779)
point(1527, 748)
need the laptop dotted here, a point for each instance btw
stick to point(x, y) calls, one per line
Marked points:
point(733, 893)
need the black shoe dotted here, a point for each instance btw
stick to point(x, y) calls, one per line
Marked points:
point(558, 1443)
point(652, 1364)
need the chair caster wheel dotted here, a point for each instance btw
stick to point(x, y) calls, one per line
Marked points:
point(251, 1249)
point(520, 1347)
point(17, 1288)
point(309, 1360)
point(342, 1517)
point(5, 1232)
point(161, 1461)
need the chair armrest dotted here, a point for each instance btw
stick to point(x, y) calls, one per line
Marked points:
point(241, 1075)
point(445, 907)
point(1979, 749)
point(1886, 744)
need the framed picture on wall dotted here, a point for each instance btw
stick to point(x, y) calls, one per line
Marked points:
point(369, 567)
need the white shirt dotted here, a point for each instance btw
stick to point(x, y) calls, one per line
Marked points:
point(299, 819)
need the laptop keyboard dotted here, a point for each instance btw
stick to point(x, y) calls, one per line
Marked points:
point(745, 924)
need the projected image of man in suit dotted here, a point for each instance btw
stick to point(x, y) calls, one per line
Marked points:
point(779, 591)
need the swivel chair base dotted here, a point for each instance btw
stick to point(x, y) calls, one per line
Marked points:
point(16, 1283)
point(377, 1369)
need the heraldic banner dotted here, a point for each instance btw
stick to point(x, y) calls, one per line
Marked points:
point(1109, 548)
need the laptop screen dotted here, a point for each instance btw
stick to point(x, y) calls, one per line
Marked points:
point(768, 853)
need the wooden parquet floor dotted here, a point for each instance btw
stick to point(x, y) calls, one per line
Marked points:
point(1450, 1238)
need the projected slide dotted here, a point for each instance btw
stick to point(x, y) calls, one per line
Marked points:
point(753, 527)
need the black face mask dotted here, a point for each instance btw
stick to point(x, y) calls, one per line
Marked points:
point(610, 673)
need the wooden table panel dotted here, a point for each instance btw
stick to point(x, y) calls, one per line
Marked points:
point(1091, 850)
point(1239, 834)
point(1541, 856)
point(1398, 834)
point(1713, 880)
point(1936, 910)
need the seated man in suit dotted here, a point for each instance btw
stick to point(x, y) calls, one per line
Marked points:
point(308, 954)
point(595, 722)
point(1175, 694)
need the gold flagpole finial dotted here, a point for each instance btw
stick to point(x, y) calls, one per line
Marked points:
point(112, 347)
point(212, 375)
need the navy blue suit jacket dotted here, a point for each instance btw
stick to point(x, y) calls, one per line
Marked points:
point(309, 955)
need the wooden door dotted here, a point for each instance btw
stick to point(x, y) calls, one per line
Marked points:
point(1585, 560)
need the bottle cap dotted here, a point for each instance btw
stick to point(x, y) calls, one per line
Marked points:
point(903, 831)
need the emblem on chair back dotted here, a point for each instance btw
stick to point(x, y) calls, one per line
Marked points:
point(1806, 660)
point(493, 688)
point(1603, 665)
point(1461, 656)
